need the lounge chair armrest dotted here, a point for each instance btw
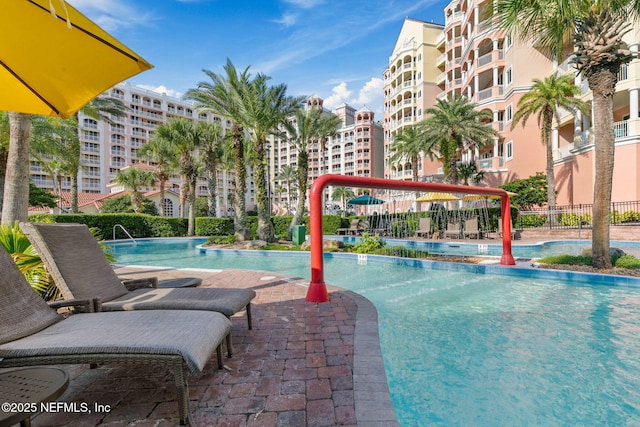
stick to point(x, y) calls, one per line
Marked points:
point(87, 305)
point(145, 282)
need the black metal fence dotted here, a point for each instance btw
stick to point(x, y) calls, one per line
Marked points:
point(577, 216)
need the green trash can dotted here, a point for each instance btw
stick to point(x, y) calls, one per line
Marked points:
point(297, 234)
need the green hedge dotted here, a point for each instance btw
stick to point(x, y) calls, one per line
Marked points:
point(141, 225)
point(138, 225)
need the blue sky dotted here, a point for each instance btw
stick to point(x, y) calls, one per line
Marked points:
point(335, 49)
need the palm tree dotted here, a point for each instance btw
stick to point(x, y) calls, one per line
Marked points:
point(223, 96)
point(161, 152)
point(15, 201)
point(265, 108)
point(342, 194)
point(408, 144)
point(185, 138)
point(305, 127)
point(468, 171)
point(135, 178)
point(452, 126)
point(597, 29)
point(210, 155)
point(544, 99)
point(55, 143)
point(4, 150)
point(288, 174)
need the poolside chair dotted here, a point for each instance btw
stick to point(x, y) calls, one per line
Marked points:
point(471, 228)
point(32, 334)
point(453, 230)
point(80, 270)
point(513, 231)
point(424, 229)
point(352, 229)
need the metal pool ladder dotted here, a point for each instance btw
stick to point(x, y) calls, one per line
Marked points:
point(120, 226)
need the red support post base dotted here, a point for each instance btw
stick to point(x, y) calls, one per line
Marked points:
point(317, 292)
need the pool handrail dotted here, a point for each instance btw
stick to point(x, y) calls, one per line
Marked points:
point(317, 291)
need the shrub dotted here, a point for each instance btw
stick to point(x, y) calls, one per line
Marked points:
point(206, 226)
point(369, 244)
point(627, 261)
point(573, 219)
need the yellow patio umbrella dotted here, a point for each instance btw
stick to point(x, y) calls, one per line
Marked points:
point(437, 197)
point(54, 60)
point(484, 196)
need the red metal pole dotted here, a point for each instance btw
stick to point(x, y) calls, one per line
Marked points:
point(505, 207)
point(317, 291)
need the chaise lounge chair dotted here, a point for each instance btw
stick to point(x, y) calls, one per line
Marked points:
point(81, 271)
point(32, 334)
point(453, 230)
point(352, 229)
point(471, 228)
point(424, 229)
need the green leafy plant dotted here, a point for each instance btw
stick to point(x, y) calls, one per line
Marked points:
point(627, 261)
point(27, 260)
point(369, 244)
point(221, 240)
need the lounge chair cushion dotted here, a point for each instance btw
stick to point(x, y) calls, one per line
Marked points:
point(23, 313)
point(225, 301)
point(77, 256)
point(137, 332)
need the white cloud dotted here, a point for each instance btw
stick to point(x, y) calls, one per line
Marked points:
point(304, 4)
point(339, 95)
point(161, 90)
point(112, 15)
point(288, 19)
point(370, 95)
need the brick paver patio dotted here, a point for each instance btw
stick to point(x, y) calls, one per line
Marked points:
point(294, 368)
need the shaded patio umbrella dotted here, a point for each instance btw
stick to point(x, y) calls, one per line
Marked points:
point(365, 199)
point(437, 197)
point(53, 62)
point(483, 196)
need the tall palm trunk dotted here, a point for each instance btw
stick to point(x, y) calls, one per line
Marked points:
point(241, 230)
point(74, 193)
point(191, 223)
point(16, 191)
point(602, 83)
point(162, 180)
point(212, 180)
point(303, 167)
point(551, 179)
point(265, 227)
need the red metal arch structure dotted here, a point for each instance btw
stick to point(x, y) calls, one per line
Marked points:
point(317, 291)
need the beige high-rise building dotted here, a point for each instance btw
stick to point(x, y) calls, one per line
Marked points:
point(356, 150)
point(107, 148)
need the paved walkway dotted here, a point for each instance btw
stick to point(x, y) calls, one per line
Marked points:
point(302, 364)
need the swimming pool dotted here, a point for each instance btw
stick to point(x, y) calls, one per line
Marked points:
point(462, 348)
point(528, 251)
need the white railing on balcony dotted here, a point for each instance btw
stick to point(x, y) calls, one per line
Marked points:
point(621, 129)
point(485, 59)
point(485, 163)
point(623, 74)
point(485, 94)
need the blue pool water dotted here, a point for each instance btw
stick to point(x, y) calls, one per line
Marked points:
point(465, 349)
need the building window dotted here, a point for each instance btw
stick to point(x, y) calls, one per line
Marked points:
point(508, 41)
point(508, 113)
point(508, 76)
point(168, 207)
point(509, 150)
